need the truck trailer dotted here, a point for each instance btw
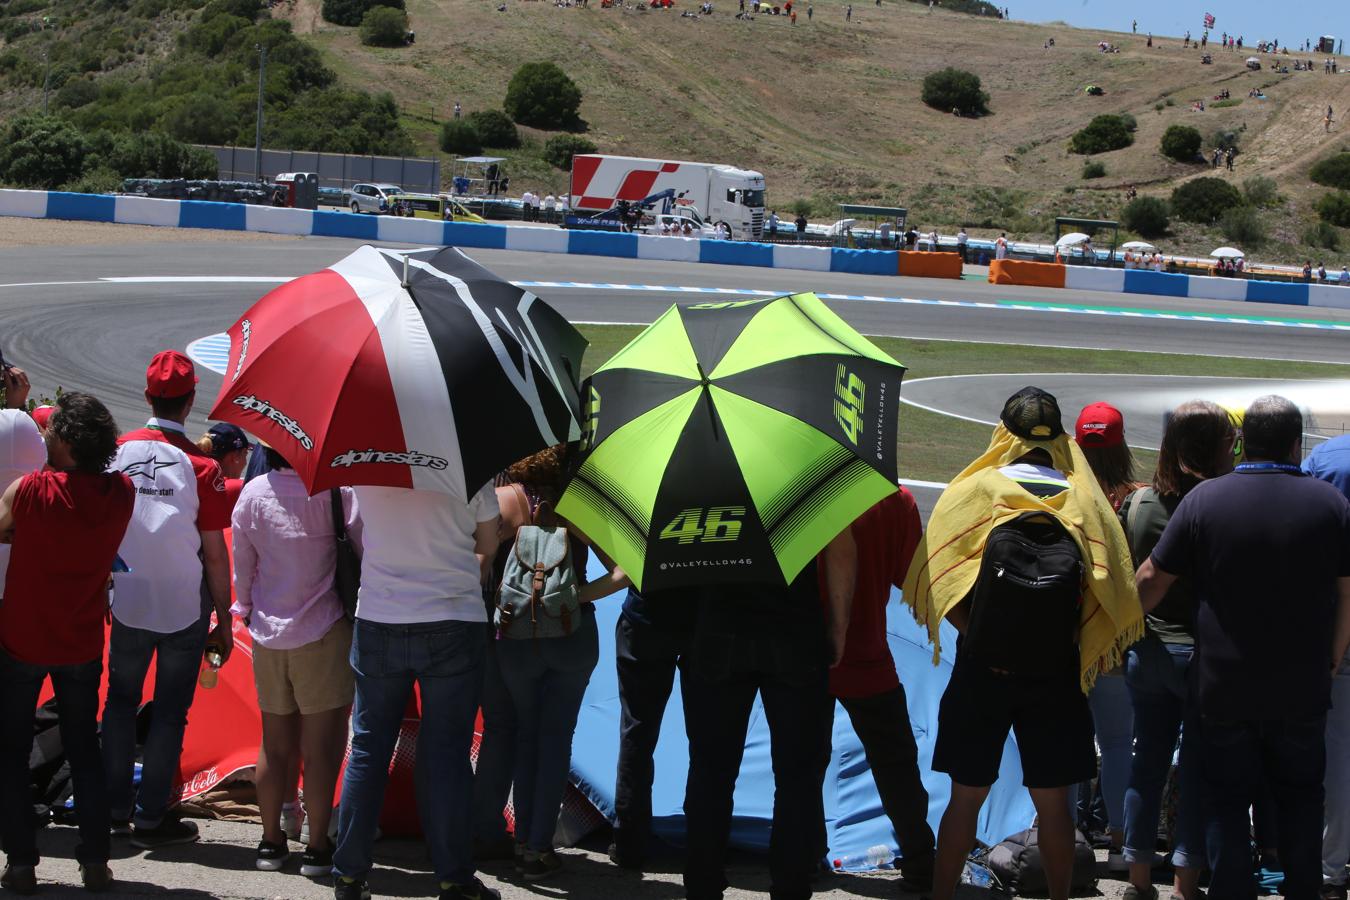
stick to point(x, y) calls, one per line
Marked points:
point(720, 193)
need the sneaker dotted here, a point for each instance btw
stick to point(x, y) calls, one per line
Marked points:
point(345, 888)
point(474, 890)
point(1134, 893)
point(293, 821)
point(316, 863)
point(271, 857)
point(121, 828)
point(538, 866)
point(19, 879)
point(1116, 864)
point(166, 833)
point(624, 859)
point(97, 877)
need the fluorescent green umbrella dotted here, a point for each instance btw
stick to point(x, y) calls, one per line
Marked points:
point(730, 442)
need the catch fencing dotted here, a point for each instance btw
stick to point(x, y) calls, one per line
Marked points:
point(339, 170)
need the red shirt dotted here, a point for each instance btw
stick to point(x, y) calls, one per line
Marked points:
point(887, 535)
point(67, 527)
point(233, 487)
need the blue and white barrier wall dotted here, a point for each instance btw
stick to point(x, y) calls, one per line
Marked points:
point(325, 223)
point(1205, 287)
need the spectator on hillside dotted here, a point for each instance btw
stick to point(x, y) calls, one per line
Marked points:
point(865, 683)
point(419, 620)
point(229, 447)
point(64, 525)
point(766, 640)
point(178, 573)
point(1264, 709)
point(1197, 445)
point(1330, 461)
point(1026, 656)
point(285, 555)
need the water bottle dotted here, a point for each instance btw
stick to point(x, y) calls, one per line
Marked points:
point(210, 668)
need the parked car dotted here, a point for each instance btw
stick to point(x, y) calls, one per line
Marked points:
point(371, 198)
point(431, 206)
point(675, 223)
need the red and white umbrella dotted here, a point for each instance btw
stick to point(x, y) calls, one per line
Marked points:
point(413, 369)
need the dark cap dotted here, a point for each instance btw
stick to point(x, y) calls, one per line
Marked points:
point(1033, 415)
point(226, 438)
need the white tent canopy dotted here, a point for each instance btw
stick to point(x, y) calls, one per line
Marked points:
point(1072, 239)
point(1227, 253)
point(1137, 245)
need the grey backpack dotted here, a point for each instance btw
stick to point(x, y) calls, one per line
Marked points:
point(538, 594)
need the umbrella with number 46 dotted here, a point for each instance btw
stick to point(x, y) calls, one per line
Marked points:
point(730, 442)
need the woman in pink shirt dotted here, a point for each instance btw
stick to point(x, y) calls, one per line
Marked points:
point(285, 555)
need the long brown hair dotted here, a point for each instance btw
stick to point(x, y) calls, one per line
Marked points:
point(1194, 447)
point(1113, 467)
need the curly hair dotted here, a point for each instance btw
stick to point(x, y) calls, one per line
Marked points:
point(86, 426)
point(545, 471)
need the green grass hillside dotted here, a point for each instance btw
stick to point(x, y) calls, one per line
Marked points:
point(828, 109)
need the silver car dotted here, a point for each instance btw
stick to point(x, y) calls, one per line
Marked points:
point(371, 198)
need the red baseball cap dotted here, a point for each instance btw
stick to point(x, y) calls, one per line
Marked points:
point(1100, 425)
point(41, 415)
point(170, 374)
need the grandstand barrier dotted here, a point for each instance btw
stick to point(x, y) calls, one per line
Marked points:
point(1017, 271)
point(924, 264)
point(134, 210)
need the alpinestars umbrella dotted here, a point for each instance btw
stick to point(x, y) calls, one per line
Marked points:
point(730, 442)
point(357, 380)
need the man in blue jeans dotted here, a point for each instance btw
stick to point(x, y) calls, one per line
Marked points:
point(177, 571)
point(1267, 551)
point(419, 620)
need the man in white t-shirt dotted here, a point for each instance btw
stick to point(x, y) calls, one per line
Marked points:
point(419, 620)
point(177, 571)
point(961, 238)
point(527, 206)
point(1001, 246)
point(550, 204)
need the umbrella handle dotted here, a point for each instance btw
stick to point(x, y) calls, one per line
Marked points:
point(405, 270)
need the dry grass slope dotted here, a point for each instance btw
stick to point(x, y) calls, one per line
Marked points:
point(829, 110)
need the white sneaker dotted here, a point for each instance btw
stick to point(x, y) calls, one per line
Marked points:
point(293, 821)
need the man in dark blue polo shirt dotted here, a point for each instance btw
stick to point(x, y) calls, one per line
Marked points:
point(1267, 551)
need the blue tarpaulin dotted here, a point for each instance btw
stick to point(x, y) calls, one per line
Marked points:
point(855, 822)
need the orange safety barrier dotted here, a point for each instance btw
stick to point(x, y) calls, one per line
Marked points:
point(925, 264)
point(1016, 271)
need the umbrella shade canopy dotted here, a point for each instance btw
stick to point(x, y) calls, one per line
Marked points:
point(1227, 253)
point(730, 442)
point(357, 380)
point(1137, 245)
point(1072, 239)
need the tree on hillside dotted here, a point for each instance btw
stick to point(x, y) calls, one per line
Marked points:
point(955, 90)
point(1146, 216)
point(384, 26)
point(458, 136)
point(1102, 135)
point(559, 150)
point(1205, 200)
point(351, 12)
point(540, 94)
point(495, 128)
point(1180, 142)
point(41, 152)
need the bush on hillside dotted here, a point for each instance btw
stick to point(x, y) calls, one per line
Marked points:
point(41, 152)
point(955, 90)
point(559, 150)
point(541, 95)
point(1243, 226)
point(1180, 142)
point(1335, 208)
point(1102, 135)
point(801, 207)
point(1131, 123)
point(149, 155)
point(1261, 191)
point(495, 128)
point(1323, 236)
point(351, 12)
point(1147, 217)
point(1334, 171)
point(384, 26)
point(1204, 200)
point(101, 180)
point(76, 93)
point(1225, 139)
point(458, 136)
point(1094, 169)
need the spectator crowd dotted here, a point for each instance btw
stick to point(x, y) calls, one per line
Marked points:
point(1189, 628)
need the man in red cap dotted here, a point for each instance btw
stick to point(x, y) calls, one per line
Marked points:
point(178, 570)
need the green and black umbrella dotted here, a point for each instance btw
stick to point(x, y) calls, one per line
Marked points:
point(730, 442)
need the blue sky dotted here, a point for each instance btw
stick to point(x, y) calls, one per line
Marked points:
point(1290, 21)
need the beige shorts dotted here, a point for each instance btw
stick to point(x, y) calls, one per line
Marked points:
point(312, 678)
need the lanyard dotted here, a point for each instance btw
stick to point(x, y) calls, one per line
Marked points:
point(1269, 467)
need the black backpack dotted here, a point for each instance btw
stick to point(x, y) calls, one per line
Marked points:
point(1016, 863)
point(1025, 605)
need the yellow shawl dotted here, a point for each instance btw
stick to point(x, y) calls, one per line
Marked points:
point(981, 498)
